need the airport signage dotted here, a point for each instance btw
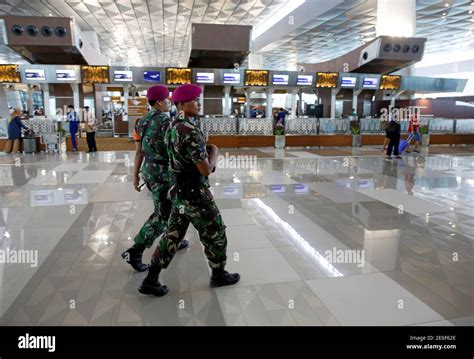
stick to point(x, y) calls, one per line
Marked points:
point(205, 77)
point(123, 76)
point(280, 79)
point(232, 78)
point(348, 82)
point(370, 83)
point(305, 80)
point(35, 75)
point(65, 75)
point(152, 76)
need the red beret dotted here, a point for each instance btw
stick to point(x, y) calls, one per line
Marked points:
point(158, 93)
point(186, 93)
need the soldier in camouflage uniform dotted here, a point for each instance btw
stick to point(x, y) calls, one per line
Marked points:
point(192, 202)
point(151, 131)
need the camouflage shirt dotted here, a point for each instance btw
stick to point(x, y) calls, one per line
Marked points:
point(152, 130)
point(186, 149)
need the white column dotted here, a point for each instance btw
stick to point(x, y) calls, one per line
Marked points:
point(396, 18)
point(355, 96)
point(4, 111)
point(255, 62)
point(125, 102)
point(269, 103)
point(333, 102)
point(75, 95)
point(47, 109)
point(248, 93)
point(227, 104)
point(201, 101)
point(294, 101)
point(29, 105)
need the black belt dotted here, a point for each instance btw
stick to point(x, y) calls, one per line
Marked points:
point(159, 162)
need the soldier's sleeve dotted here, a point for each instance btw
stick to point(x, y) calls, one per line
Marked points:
point(196, 147)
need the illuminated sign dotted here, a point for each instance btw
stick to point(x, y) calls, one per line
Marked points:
point(232, 78)
point(95, 74)
point(35, 75)
point(178, 76)
point(65, 75)
point(205, 77)
point(305, 80)
point(280, 79)
point(256, 78)
point(123, 76)
point(152, 76)
point(390, 82)
point(10, 73)
point(327, 79)
point(278, 188)
point(301, 188)
point(349, 82)
point(370, 83)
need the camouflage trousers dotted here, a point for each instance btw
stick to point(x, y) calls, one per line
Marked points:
point(206, 218)
point(157, 222)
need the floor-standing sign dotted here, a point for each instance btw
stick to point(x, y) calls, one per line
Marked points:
point(137, 108)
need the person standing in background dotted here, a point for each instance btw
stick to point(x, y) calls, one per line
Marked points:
point(14, 132)
point(414, 134)
point(73, 126)
point(90, 129)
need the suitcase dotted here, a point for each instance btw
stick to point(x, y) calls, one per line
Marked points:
point(29, 145)
point(403, 146)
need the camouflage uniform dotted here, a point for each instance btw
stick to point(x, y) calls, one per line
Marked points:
point(152, 129)
point(192, 201)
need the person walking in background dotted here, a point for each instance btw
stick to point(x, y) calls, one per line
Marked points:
point(91, 126)
point(14, 132)
point(414, 134)
point(393, 134)
point(73, 126)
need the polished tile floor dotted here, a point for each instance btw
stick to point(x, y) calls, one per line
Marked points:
point(411, 221)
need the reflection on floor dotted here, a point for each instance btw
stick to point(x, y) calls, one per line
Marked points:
point(349, 240)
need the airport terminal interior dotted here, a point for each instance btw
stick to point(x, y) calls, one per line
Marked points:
point(305, 100)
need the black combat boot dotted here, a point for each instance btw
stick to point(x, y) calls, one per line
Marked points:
point(183, 244)
point(222, 278)
point(133, 256)
point(151, 284)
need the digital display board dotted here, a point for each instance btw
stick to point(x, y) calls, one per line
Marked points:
point(95, 74)
point(370, 83)
point(305, 80)
point(65, 75)
point(152, 76)
point(35, 75)
point(10, 73)
point(278, 188)
point(390, 82)
point(178, 76)
point(256, 77)
point(301, 188)
point(327, 79)
point(348, 82)
point(205, 77)
point(280, 79)
point(123, 76)
point(232, 78)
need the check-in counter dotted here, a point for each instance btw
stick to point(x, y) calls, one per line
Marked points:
point(326, 132)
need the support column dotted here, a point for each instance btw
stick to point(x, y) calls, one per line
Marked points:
point(47, 109)
point(294, 102)
point(227, 104)
point(75, 95)
point(301, 107)
point(355, 96)
point(269, 103)
point(333, 102)
point(201, 101)
point(248, 93)
point(125, 102)
point(29, 105)
point(396, 18)
point(4, 110)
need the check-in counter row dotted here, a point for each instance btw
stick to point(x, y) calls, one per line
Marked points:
point(302, 132)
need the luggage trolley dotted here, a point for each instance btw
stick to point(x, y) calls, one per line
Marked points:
point(52, 141)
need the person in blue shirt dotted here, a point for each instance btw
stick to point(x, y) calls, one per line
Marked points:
point(14, 132)
point(282, 116)
point(73, 119)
